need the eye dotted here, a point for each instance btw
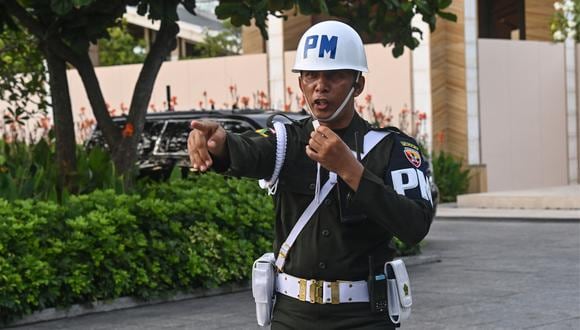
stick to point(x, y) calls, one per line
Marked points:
point(309, 76)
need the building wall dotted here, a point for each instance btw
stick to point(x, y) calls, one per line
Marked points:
point(294, 28)
point(523, 114)
point(448, 84)
point(189, 79)
point(578, 106)
point(538, 14)
point(388, 83)
point(252, 42)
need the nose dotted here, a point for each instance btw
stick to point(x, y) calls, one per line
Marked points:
point(322, 83)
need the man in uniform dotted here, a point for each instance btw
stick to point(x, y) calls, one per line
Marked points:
point(382, 195)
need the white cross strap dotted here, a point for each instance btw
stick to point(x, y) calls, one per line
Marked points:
point(371, 139)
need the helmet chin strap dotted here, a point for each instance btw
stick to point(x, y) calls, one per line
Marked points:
point(340, 108)
point(316, 123)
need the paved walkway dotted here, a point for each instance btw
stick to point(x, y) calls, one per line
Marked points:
point(493, 275)
point(554, 198)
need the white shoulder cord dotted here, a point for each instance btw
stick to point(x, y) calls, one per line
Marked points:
point(316, 124)
point(371, 139)
point(272, 183)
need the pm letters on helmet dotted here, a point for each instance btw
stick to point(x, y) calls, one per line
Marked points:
point(326, 45)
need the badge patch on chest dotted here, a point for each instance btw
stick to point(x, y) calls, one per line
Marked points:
point(413, 156)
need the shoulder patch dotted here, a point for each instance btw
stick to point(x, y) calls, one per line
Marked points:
point(407, 170)
point(413, 156)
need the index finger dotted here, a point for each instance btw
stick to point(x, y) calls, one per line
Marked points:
point(325, 131)
point(204, 126)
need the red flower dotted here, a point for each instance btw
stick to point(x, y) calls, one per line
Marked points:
point(440, 137)
point(368, 98)
point(245, 100)
point(211, 101)
point(128, 130)
point(289, 90)
point(287, 107)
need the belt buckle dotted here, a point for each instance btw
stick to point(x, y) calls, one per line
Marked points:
point(302, 290)
point(316, 292)
point(335, 293)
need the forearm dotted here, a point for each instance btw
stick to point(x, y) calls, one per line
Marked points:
point(351, 174)
point(406, 218)
point(249, 156)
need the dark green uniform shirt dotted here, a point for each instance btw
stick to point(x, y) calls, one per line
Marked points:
point(349, 226)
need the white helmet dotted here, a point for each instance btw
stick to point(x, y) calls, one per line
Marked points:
point(330, 45)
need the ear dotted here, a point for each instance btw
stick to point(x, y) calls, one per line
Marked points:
point(359, 86)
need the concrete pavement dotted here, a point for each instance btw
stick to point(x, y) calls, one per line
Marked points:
point(493, 275)
point(547, 198)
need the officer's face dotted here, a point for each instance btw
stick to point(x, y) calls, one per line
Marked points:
point(326, 90)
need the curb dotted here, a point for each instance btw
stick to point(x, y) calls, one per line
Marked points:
point(51, 314)
point(412, 261)
point(450, 211)
point(507, 219)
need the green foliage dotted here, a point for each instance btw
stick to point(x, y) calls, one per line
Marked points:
point(451, 178)
point(171, 237)
point(30, 171)
point(22, 78)
point(389, 20)
point(121, 47)
point(224, 43)
point(566, 20)
point(404, 249)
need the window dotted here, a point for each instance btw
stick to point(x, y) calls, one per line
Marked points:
point(501, 19)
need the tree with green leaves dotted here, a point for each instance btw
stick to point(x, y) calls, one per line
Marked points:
point(224, 43)
point(121, 47)
point(22, 83)
point(65, 28)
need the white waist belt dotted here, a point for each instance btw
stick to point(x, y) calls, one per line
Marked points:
point(322, 292)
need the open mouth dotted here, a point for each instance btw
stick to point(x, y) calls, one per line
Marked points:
point(320, 104)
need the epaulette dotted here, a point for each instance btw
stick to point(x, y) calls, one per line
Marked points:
point(403, 138)
point(391, 129)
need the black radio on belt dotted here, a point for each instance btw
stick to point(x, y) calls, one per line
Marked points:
point(377, 285)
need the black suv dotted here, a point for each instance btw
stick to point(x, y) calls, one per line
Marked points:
point(163, 143)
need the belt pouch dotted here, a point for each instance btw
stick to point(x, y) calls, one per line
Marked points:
point(398, 291)
point(263, 281)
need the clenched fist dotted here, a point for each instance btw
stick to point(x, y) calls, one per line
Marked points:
point(206, 139)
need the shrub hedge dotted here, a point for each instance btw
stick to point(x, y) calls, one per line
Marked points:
point(169, 237)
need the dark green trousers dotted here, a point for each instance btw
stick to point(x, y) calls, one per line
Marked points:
point(291, 313)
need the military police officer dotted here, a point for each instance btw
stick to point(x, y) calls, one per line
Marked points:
point(380, 193)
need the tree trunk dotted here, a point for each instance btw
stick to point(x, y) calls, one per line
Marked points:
point(125, 156)
point(111, 131)
point(63, 123)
